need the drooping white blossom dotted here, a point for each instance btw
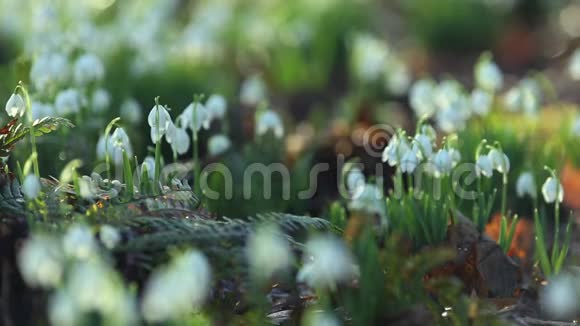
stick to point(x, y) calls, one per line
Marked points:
point(31, 187)
point(15, 106)
point(109, 236)
point(483, 166)
point(41, 261)
point(218, 144)
point(269, 120)
point(552, 190)
point(488, 76)
point(268, 252)
point(421, 98)
point(78, 242)
point(253, 91)
point(526, 185)
point(88, 68)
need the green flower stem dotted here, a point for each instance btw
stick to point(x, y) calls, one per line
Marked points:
point(32, 135)
point(157, 146)
point(196, 164)
point(555, 247)
point(504, 194)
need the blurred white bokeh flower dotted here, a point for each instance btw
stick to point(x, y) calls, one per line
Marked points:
point(488, 76)
point(268, 252)
point(253, 91)
point(49, 71)
point(41, 261)
point(68, 101)
point(131, 111)
point(269, 120)
point(421, 98)
point(88, 68)
point(481, 102)
point(327, 262)
point(63, 310)
point(100, 100)
point(78, 242)
point(218, 144)
point(177, 289)
point(526, 185)
point(368, 198)
point(41, 110)
point(320, 318)
point(31, 187)
point(216, 106)
point(561, 297)
point(109, 236)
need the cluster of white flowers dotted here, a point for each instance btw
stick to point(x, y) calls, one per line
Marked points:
point(552, 189)
point(495, 159)
point(114, 145)
point(327, 262)
point(407, 153)
point(525, 96)
point(177, 289)
point(373, 61)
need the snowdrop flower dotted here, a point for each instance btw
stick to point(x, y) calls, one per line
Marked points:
point(100, 100)
point(453, 116)
point(455, 156)
point(488, 76)
point(68, 101)
point(429, 131)
point(177, 289)
point(525, 96)
point(574, 65)
point(131, 111)
point(499, 160)
point(31, 187)
point(63, 310)
point(447, 93)
point(425, 145)
point(410, 160)
point(483, 166)
point(268, 252)
point(88, 69)
point(195, 116)
point(216, 106)
point(526, 185)
point(158, 120)
point(218, 144)
point(369, 54)
point(481, 102)
point(178, 138)
point(327, 261)
point(253, 91)
point(397, 77)
point(269, 120)
point(40, 261)
point(442, 162)
point(49, 71)
point(109, 236)
point(15, 106)
point(560, 297)
point(320, 318)
point(40, 110)
point(395, 150)
point(355, 182)
point(119, 142)
point(78, 242)
point(149, 165)
point(552, 189)
point(421, 98)
point(369, 199)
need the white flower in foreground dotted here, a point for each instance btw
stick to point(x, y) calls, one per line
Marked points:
point(421, 98)
point(216, 107)
point(552, 189)
point(88, 68)
point(560, 297)
point(327, 261)
point(68, 101)
point(488, 76)
point(177, 289)
point(410, 160)
point(481, 102)
point(109, 236)
point(63, 310)
point(15, 106)
point(442, 162)
point(195, 116)
point(320, 318)
point(100, 100)
point(269, 120)
point(41, 261)
point(268, 252)
point(526, 185)
point(218, 144)
point(253, 91)
point(31, 186)
point(178, 138)
point(131, 111)
point(483, 166)
point(574, 65)
point(499, 160)
point(425, 145)
point(397, 147)
point(119, 142)
point(78, 242)
point(397, 77)
point(158, 120)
